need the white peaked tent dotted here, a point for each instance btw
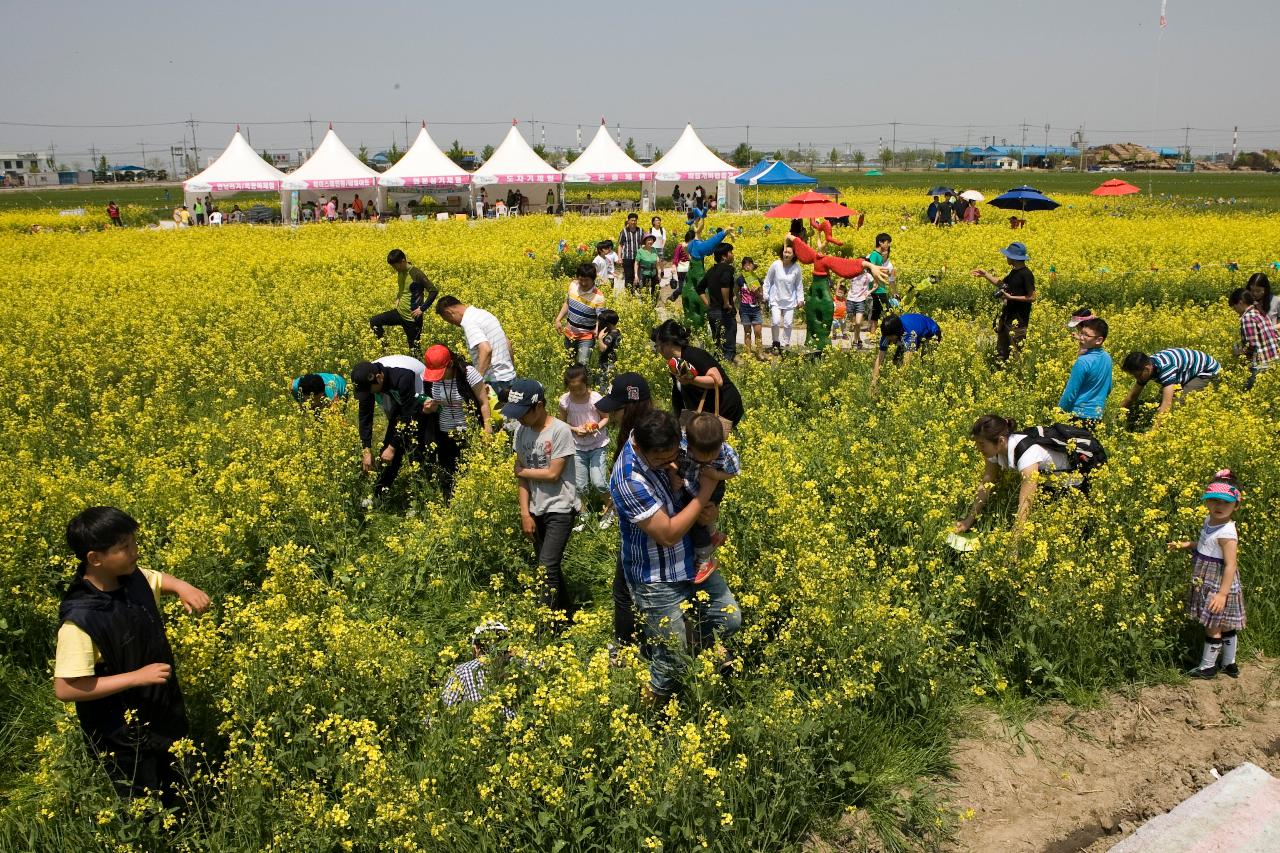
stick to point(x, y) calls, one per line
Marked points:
point(331, 170)
point(515, 164)
point(603, 162)
point(690, 162)
point(238, 169)
point(424, 165)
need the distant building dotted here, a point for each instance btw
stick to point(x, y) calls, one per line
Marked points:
point(993, 156)
point(25, 169)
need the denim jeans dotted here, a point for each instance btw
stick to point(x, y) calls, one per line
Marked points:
point(589, 470)
point(724, 331)
point(664, 624)
point(579, 351)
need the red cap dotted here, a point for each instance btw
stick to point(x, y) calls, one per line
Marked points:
point(436, 358)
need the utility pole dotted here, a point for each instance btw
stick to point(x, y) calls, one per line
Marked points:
point(406, 133)
point(1081, 134)
point(1046, 145)
point(893, 146)
point(144, 152)
point(1022, 152)
point(1235, 141)
point(1186, 143)
point(748, 137)
point(311, 129)
point(195, 146)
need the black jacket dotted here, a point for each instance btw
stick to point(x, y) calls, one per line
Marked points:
point(127, 630)
point(400, 402)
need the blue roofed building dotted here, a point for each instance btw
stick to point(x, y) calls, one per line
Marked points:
point(998, 156)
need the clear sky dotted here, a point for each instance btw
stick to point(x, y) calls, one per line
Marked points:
point(796, 73)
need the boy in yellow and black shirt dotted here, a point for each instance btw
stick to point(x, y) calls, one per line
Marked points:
point(114, 659)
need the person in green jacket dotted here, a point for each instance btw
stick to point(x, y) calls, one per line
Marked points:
point(695, 310)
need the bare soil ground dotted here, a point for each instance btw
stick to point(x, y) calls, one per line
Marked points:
point(1080, 780)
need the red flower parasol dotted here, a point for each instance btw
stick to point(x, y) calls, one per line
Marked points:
point(1115, 186)
point(810, 205)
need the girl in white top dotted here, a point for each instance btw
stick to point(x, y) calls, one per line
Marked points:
point(784, 293)
point(1215, 598)
point(996, 440)
point(578, 405)
point(659, 243)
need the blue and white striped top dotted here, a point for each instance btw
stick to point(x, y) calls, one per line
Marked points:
point(639, 492)
point(584, 310)
point(1179, 365)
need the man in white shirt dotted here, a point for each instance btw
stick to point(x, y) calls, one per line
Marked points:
point(490, 348)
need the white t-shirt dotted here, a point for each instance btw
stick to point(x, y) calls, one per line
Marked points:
point(215, 218)
point(1047, 461)
point(1210, 538)
point(407, 362)
point(659, 238)
point(612, 260)
point(601, 265)
point(480, 326)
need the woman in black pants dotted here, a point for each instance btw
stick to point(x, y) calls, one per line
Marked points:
point(629, 396)
point(450, 399)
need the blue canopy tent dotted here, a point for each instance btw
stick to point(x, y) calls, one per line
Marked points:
point(771, 173)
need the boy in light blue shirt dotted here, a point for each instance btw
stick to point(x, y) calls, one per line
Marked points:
point(1090, 381)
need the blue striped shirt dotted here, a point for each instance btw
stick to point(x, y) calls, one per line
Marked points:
point(726, 462)
point(638, 493)
point(584, 311)
point(1179, 365)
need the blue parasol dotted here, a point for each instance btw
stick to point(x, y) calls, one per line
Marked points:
point(1024, 198)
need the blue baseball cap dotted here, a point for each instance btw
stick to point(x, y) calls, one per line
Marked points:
point(1015, 252)
point(523, 396)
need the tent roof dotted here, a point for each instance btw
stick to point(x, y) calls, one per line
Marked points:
point(424, 164)
point(690, 160)
point(515, 163)
point(238, 168)
point(604, 162)
point(774, 173)
point(331, 167)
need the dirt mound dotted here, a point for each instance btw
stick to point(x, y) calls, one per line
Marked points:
point(1079, 780)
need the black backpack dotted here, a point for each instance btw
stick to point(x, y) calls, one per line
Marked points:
point(1084, 453)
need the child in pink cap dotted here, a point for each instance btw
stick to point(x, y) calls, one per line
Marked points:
point(1215, 599)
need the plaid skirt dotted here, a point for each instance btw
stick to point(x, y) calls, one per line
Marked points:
point(1206, 579)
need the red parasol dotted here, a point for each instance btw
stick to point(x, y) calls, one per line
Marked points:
point(1115, 186)
point(810, 205)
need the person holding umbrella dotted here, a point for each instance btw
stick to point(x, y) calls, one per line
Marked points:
point(1018, 290)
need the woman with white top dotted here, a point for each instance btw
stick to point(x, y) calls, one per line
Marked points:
point(659, 243)
point(450, 400)
point(1000, 444)
point(784, 293)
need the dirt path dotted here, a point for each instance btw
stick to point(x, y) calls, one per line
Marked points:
point(1080, 780)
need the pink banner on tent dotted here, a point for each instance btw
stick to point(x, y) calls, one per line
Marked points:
point(697, 176)
point(441, 181)
point(242, 186)
point(527, 179)
point(341, 184)
point(606, 177)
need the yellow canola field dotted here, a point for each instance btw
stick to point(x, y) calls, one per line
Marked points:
point(150, 370)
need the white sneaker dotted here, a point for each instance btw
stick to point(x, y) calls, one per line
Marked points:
point(606, 520)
